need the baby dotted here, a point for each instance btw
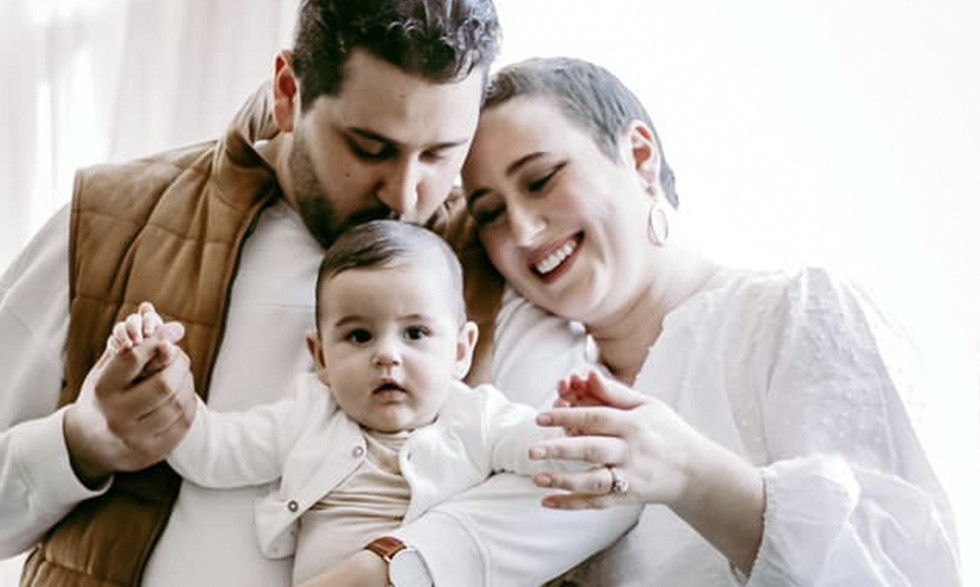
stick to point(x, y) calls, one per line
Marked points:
point(385, 429)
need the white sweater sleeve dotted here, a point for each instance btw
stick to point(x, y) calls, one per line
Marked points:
point(236, 449)
point(509, 430)
point(37, 484)
point(850, 497)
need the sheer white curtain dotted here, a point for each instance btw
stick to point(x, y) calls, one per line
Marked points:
point(839, 133)
point(87, 81)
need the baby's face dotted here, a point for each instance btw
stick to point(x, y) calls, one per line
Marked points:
point(391, 343)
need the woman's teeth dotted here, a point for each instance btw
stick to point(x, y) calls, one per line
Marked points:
point(548, 264)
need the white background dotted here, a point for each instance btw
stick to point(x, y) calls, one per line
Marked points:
point(844, 133)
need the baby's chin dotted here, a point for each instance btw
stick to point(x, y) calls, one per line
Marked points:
point(399, 421)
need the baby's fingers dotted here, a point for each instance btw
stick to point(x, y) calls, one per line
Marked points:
point(119, 339)
point(151, 319)
point(134, 328)
point(613, 393)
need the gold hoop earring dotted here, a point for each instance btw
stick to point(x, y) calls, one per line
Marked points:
point(658, 226)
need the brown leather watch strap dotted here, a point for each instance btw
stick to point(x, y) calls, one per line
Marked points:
point(386, 547)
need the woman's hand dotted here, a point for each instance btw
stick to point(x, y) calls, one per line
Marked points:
point(657, 458)
point(630, 437)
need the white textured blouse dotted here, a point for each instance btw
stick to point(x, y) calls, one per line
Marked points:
point(801, 375)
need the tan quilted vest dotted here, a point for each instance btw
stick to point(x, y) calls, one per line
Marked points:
point(169, 229)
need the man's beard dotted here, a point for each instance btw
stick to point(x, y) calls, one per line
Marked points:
point(315, 205)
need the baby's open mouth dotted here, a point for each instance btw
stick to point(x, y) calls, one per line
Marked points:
point(389, 390)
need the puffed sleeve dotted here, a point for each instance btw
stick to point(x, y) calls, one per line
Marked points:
point(37, 483)
point(851, 498)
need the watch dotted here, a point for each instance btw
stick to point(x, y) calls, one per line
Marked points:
point(405, 565)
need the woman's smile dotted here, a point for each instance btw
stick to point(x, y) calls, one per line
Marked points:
point(551, 262)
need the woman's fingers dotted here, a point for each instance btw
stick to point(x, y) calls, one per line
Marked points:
point(598, 450)
point(582, 421)
point(593, 488)
point(581, 501)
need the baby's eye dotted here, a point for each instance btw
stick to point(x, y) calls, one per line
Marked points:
point(416, 332)
point(358, 336)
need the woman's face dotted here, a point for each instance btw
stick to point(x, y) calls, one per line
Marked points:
point(562, 222)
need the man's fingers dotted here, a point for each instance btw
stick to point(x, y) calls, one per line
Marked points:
point(147, 407)
point(600, 450)
point(166, 354)
point(120, 371)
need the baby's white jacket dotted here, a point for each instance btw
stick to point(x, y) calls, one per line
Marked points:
point(308, 443)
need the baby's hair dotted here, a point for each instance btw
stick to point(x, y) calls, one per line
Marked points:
point(387, 243)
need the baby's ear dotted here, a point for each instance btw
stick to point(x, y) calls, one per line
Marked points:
point(465, 344)
point(316, 353)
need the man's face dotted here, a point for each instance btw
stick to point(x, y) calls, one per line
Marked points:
point(389, 144)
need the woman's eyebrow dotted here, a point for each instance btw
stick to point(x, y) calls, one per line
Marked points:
point(516, 165)
point(510, 171)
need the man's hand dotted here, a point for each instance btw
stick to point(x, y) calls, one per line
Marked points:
point(129, 413)
point(361, 569)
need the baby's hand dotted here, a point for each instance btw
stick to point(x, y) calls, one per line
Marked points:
point(146, 326)
point(594, 390)
point(136, 327)
point(575, 392)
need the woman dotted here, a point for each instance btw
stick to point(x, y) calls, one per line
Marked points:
point(767, 429)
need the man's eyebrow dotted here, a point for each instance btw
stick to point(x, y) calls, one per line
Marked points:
point(511, 170)
point(373, 136)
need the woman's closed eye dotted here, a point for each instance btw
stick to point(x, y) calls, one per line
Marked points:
point(538, 183)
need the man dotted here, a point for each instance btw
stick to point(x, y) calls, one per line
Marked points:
point(372, 114)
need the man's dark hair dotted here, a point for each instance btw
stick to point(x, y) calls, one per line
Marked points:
point(387, 243)
point(437, 40)
point(588, 95)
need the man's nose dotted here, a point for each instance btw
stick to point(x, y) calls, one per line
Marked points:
point(400, 190)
